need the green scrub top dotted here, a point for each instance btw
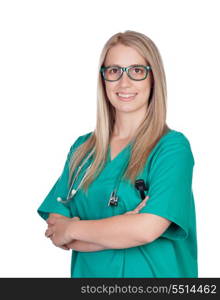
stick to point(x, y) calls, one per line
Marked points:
point(168, 176)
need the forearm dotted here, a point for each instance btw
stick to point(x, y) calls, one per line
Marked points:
point(122, 231)
point(82, 246)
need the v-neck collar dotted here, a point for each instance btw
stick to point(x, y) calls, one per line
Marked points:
point(119, 154)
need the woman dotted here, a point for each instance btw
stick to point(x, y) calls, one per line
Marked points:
point(130, 236)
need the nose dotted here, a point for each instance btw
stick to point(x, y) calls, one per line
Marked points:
point(124, 80)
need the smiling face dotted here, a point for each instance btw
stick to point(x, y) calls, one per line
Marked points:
point(125, 94)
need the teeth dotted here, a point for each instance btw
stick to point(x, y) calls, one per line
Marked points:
point(126, 95)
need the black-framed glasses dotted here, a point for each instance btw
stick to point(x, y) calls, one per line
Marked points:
point(134, 72)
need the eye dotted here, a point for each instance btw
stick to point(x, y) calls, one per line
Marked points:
point(113, 70)
point(138, 70)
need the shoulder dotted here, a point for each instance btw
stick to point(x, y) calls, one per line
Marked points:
point(173, 137)
point(80, 140)
point(173, 145)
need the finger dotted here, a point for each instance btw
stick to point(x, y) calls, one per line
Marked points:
point(145, 199)
point(143, 203)
point(132, 212)
point(138, 208)
point(54, 215)
point(64, 247)
point(76, 218)
point(70, 244)
point(49, 226)
point(48, 233)
point(50, 220)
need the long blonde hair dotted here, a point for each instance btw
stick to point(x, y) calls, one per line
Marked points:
point(151, 129)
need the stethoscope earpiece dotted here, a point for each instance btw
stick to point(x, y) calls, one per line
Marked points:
point(59, 199)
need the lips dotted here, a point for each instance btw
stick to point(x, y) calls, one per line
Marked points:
point(126, 96)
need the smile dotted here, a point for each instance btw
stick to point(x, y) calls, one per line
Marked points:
point(126, 97)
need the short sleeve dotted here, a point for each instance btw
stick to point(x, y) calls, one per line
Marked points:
point(170, 186)
point(59, 189)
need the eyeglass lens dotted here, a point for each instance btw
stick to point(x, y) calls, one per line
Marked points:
point(137, 73)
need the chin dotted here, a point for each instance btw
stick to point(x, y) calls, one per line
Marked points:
point(125, 108)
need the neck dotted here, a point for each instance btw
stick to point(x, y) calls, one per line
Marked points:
point(126, 123)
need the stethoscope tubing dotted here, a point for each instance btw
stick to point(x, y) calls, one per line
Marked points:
point(71, 191)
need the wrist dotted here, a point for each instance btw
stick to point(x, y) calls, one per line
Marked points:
point(73, 229)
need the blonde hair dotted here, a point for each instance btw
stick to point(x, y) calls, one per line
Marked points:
point(150, 130)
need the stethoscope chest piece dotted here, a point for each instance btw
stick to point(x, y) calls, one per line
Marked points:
point(113, 201)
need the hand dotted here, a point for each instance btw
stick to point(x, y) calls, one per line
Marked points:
point(138, 208)
point(64, 247)
point(59, 230)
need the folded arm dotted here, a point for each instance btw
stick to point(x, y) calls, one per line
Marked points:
point(122, 231)
point(85, 246)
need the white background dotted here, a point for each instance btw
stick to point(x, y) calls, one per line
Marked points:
point(49, 52)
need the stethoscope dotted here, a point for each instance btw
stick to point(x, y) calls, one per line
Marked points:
point(113, 200)
point(72, 192)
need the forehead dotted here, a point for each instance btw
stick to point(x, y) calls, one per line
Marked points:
point(123, 56)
